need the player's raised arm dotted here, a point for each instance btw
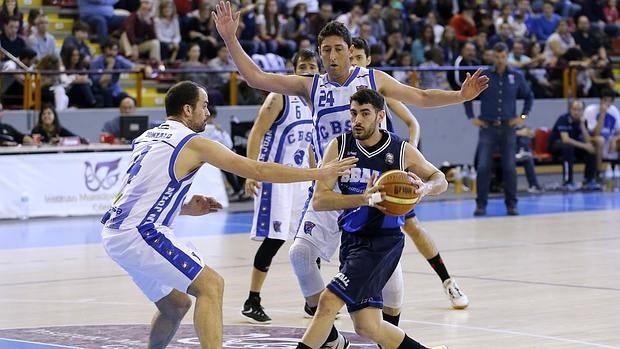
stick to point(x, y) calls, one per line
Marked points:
point(403, 113)
point(227, 22)
point(392, 88)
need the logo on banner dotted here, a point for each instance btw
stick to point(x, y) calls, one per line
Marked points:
point(101, 175)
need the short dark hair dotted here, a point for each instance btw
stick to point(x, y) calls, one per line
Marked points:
point(361, 44)
point(607, 92)
point(334, 28)
point(180, 94)
point(500, 47)
point(305, 55)
point(80, 26)
point(110, 43)
point(368, 96)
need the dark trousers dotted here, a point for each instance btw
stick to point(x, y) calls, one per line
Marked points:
point(528, 163)
point(568, 153)
point(503, 138)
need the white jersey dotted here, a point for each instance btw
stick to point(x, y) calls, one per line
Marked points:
point(331, 105)
point(151, 193)
point(287, 140)
point(278, 205)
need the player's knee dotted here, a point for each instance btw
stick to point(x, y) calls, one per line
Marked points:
point(598, 141)
point(368, 329)
point(181, 307)
point(329, 304)
point(265, 253)
point(412, 228)
point(302, 258)
point(209, 284)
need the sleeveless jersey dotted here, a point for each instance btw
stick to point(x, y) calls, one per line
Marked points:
point(388, 154)
point(331, 114)
point(150, 192)
point(286, 142)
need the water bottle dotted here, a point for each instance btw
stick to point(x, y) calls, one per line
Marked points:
point(616, 175)
point(473, 176)
point(24, 203)
point(608, 179)
point(458, 180)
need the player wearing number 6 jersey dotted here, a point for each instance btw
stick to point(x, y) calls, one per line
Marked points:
point(138, 232)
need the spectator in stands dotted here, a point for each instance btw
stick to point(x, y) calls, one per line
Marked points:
point(546, 24)
point(106, 86)
point(77, 39)
point(589, 41)
point(10, 39)
point(127, 107)
point(395, 21)
point(31, 26)
point(488, 57)
point(52, 90)
point(466, 59)
point(611, 13)
point(293, 31)
point(418, 12)
point(395, 46)
point(519, 27)
point(10, 136)
point(431, 20)
point(424, 43)
point(222, 62)
point(366, 33)
point(485, 24)
point(352, 19)
point(603, 121)
point(504, 35)
point(139, 37)
point(558, 44)
point(168, 32)
point(538, 75)
point(9, 9)
point(449, 45)
point(464, 25)
point(202, 31)
point(48, 126)
point(569, 141)
point(403, 59)
point(517, 57)
point(319, 20)
point(78, 86)
point(504, 17)
point(215, 132)
point(13, 84)
point(376, 21)
point(432, 79)
point(248, 37)
point(497, 122)
point(99, 14)
point(377, 56)
point(42, 42)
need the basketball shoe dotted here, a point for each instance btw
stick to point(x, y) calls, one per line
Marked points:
point(254, 311)
point(339, 343)
point(457, 297)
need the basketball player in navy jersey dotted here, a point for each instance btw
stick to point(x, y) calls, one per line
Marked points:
point(360, 56)
point(282, 133)
point(137, 231)
point(371, 242)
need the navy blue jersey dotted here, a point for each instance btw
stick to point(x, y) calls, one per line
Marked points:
point(388, 154)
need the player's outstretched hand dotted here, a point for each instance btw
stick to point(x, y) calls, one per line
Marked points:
point(335, 168)
point(474, 85)
point(226, 21)
point(200, 205)
point(251, 187)
point(422, 188)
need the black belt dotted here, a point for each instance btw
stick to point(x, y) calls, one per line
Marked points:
point(497, 122)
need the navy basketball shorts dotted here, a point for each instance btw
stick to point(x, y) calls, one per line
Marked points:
point(410, 214)
point(366, 264)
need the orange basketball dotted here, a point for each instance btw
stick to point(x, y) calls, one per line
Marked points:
point(400, 196)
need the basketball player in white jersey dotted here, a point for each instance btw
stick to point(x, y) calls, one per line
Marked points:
point(360, 56)
point(138, 232)
point(282, 133)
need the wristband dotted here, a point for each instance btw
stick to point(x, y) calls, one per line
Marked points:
point(374, 198)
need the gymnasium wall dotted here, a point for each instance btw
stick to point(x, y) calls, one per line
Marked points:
point(446, 134)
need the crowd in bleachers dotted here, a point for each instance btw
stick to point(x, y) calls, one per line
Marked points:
point(544, 38)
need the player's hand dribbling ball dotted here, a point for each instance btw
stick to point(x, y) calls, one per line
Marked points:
point(400, 192)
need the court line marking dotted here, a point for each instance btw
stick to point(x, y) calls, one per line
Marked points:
point(38, 344)
point(511, 332)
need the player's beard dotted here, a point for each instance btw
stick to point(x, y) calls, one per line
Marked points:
point(364, 135)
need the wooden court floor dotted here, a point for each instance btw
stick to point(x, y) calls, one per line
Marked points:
point(547, 281)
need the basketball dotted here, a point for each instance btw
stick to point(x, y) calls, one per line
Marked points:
point(400, 196)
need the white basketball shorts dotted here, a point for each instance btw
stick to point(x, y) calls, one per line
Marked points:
point(277, 210)
point(320, 228)
point(154, 257)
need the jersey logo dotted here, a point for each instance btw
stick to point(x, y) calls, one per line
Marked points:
point(277, 226)
point(389, 158)
point(299, 157)
point(308, 226)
